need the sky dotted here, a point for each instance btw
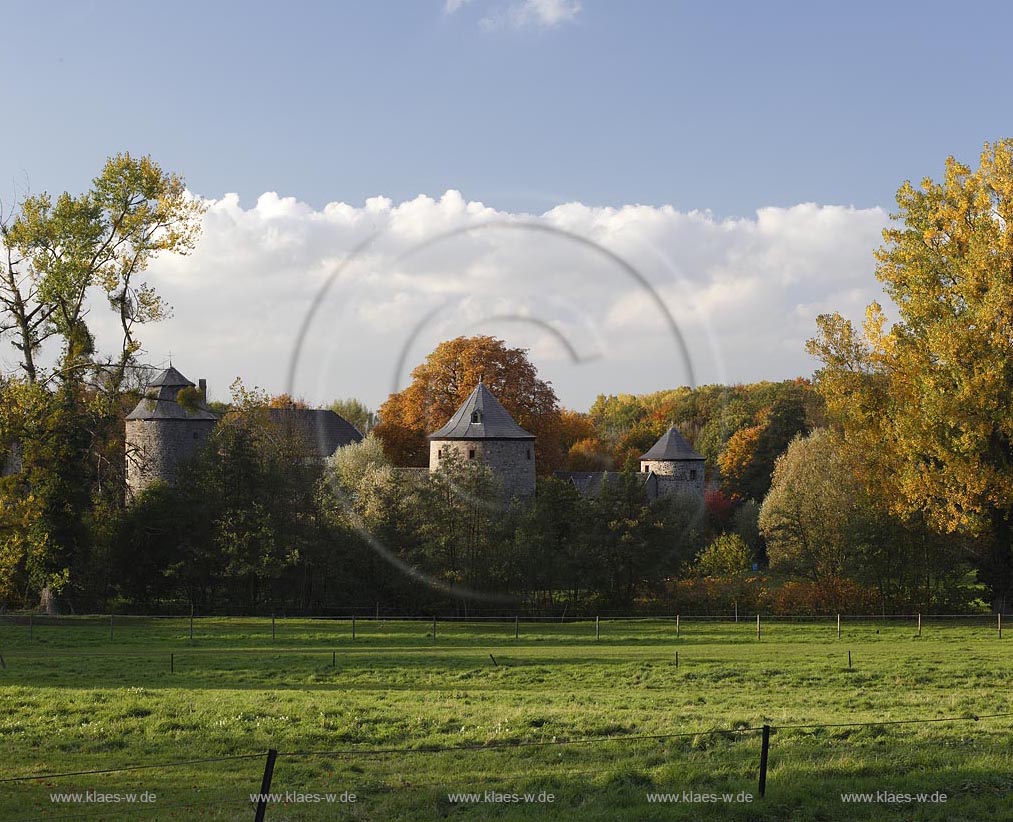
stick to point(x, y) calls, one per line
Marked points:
point(643, 194)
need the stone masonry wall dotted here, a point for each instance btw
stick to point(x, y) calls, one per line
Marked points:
point(676, 476)
point(156, 447)
point(511, 461)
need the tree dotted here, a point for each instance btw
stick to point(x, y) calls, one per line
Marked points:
point(811, 509)
point(444, 381)
point(748, 458)
point(726, 556)
point(347, 466)
point(57, 250)
point(928, 400)
point(356, 413)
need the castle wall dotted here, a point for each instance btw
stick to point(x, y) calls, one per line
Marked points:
point(511, 461)
point(686, 478)
point(155, 448)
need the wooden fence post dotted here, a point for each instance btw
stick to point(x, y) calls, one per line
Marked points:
point(838, 626)
point(677, 626)
point(517, 627)
point(265, 785)
point(353, 627)
point(764, 752)
point(597, 627)
point(757, 626)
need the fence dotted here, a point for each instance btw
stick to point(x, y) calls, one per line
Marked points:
point(18, 630)
point(265, 792)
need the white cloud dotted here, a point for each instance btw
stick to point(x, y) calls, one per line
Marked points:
point(744, 293)
point(523, 13)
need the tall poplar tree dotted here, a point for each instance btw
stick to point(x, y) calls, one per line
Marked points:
point(927, 401)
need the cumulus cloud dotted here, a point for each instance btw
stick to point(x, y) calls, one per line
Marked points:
point(524, 13)
point(636, 298)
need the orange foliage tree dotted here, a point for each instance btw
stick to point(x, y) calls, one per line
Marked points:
point(446, 378)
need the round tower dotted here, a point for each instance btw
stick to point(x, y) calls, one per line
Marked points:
point(482, 429)
point(677, 466)
point(161, 432)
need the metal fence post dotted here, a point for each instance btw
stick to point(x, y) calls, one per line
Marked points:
point(265, 785)
point(764, 751)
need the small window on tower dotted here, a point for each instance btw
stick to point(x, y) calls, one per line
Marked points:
point(471, 453)
point(529, 453)
point(692, 474)
point(195, 435)
point(439, 453)
point(476, 416)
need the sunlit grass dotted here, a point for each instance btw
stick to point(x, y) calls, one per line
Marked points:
point(73, 699)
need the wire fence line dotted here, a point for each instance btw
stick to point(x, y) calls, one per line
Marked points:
point(515, 744)
point(21, 617)
point(16, 629)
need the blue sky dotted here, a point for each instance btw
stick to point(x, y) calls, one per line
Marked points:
point(764, 143)
point(721, 106)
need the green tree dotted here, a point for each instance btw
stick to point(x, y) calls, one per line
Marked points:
point(356, 413)
point(57, 250)
point(726, 556)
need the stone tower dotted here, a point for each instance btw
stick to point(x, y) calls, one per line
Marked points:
point(482, 429)
point(677, 466)
point(161, 433)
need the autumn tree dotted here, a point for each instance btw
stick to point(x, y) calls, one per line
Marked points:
point(929, 399)
point(286, 401)
point(446, 378)
point(747, 460)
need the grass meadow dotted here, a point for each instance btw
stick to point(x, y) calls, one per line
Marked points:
point(373, 716)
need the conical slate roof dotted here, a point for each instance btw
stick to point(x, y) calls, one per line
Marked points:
point(672, 446)
point(170, 377)
point(481, 417)
point(159, 401)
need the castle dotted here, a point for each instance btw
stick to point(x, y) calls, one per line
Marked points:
point(162, 432)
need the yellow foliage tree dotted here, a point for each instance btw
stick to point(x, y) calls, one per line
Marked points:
point(927, 402)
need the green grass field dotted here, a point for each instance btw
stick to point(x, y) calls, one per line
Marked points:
point(74, 699)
